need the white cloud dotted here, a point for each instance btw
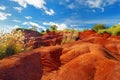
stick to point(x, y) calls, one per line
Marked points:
point(49, 12)
point(28, 17)
point(2, 8)
point(71, 6)
point(35, 3)
point(19, 9)
point(3, 16)
point(18, 21)
point(100, 4)
point(40, 4)
point(34, 24)
point(16, 26)
point(110, 2)
point(94, 3)
point(60, 26)
point(21, 2)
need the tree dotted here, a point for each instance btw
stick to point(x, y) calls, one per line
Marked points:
point(98, 27)
point(53, 28)
point(47, 30)
point(42, 31)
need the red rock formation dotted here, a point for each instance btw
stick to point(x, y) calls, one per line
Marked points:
point(86, 34)
point(94, 57)
point(73, 52)
point(30, 65)
point(26, 66)
point(89, 65)
point(45, 40)
point(50, 57)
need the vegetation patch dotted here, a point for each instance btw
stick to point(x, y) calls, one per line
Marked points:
point(11, 43)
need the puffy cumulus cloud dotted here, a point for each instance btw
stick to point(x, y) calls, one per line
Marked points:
point(34, 24)
point(2, 8)
point(18, 21)
point(101, 4)
point(40, 4)
point(21, 2)
point(19, 9)
point(35, 3)
point(28, 17)
point(60, 26)
point(4, 16)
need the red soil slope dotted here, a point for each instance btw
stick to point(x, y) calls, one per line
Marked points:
point(93, 57)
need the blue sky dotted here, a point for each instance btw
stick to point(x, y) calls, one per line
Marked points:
point(76, 14)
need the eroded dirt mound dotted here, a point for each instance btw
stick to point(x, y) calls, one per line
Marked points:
point(88, 64)
point(93, 57)
point(31, 65)
point(50, 57)
point(26, 66)
point(44, 40)
point(86, 61)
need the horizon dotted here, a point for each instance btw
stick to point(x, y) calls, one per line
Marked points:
point(77, 14)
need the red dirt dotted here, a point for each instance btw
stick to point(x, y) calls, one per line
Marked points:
point(26, 66)
point(93, 57)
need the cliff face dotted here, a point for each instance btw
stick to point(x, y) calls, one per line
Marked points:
point(93, 57)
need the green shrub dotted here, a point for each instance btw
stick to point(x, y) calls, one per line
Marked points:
point(18, 29)
point(53, 28)
point(113, 30)
point(103, 31)
point(98, 27)
point(10, 50)
point(11, 43)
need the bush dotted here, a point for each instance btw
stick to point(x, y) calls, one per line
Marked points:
point(113, 30)
point(10, 50)
point(47, 30)
point(53, 28)
point(11, 43)
point(18, 29)
point(98, 27)
point(71, 36)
